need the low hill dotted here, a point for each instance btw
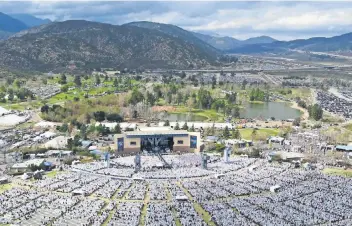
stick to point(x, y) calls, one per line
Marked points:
point(259, 40)
point(87, 45)
point(9, 24)
point(176, 32)
point(29, 20)
point(318, 44)
point(227, 43)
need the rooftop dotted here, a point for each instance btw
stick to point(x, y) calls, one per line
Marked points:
point(154, 129)
point(26, 164)
point(157, 133)
point(344, 147)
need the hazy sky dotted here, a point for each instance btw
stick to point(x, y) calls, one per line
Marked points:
point(280, 20)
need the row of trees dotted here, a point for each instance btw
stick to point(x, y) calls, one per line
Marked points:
point(315, 112)
point(258, 95)
point(201, 99)
point(234, 134)
point(85, 132)
point(58, 113)
point(21, 94)
point(184, 126)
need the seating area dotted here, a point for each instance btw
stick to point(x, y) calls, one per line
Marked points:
point(241, 196)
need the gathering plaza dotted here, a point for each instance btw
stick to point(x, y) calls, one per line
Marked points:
point(238, 191)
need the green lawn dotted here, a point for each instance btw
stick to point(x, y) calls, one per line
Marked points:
point(256, 102)
point(348, 127)
point(5, 187)
point(262, 134)
point(16, 106)
point(211, 115)
point(338, 172)
point(51, 174)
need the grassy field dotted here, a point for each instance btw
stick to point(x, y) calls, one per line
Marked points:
point(256, 102)
point(262, 134)
point(338, 172)
point(211, 115)
point(348, 127)
point(51, 174)
point(5, 187)
point(340, 134)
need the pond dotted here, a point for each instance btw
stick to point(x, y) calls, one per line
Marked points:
point(181, 117)
point(278, 110)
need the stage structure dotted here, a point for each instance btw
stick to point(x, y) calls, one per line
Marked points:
point(157, 141)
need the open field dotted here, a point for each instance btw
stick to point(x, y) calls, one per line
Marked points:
point(262, 133)
point(5, 187)
point(212, 115)
point(338, 172)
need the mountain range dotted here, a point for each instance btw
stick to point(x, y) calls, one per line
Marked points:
point(41, 45)
point(318, 44)
point(88, 45)
point(228, 43)
point(11, 24)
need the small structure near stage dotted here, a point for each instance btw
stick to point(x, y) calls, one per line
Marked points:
point(137, 163)
point(205, 159)
point(227, 153)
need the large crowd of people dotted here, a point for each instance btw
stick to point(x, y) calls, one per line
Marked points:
point(240, 195)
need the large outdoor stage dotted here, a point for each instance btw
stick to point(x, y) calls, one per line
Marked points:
point(157, 140)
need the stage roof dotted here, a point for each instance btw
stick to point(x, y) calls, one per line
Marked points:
point(157, 133)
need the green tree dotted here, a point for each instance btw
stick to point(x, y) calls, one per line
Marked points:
point(44, 81)
point(99, 116)
point(97, 80)
point(17, 83)
point(183, 75)
point(192, 129)
point(213, 82)
point(236, 133)
point(235, 112)
point(177, 126)
point(10, 96)
point(167, 123)
point(296, 122)
point(63, 79)
point(254, 134)
point(77, 80)
point(185, 126)
point(83, 132)
point(315, 112)
point(150, 98)
point(226, 132)
point(116, 84)
point(179, 98)
point(114, 117)
point(9, 81)
point(136, 97)
point(204, 99)
point(243, 85)
point(64, 88)
point(117, 128)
